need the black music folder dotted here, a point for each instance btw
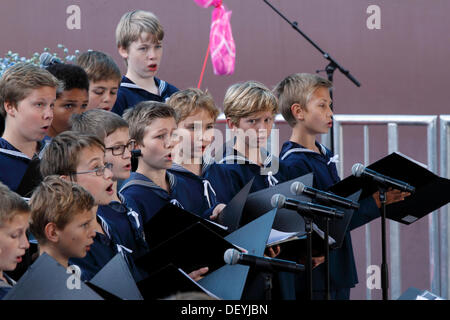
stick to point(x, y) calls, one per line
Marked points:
point(193, 248)
point(115, 277)
point(432, 191)
point(171, 220)
point(228, 282)
point(232, 213)
point(259, 202)
point(167, 282)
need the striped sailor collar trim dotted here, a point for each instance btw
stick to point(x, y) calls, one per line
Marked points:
point(162, 85)
point(172, 182)
point(9, 282)
point(323, 150)
point(179, 168)
point(17, 153)
point(239, 157)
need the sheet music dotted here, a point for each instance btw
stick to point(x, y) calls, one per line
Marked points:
point(217, 224)
point(277, 237)
point(322, 234)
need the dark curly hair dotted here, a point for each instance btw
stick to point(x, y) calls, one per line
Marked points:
point(71, 76)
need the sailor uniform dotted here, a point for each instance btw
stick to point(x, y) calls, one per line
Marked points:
point(130, 94)
point(343, 275)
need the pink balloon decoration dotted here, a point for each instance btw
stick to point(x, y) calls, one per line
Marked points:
point(221, 42)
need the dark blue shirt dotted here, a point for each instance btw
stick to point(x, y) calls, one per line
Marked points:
point(150, 198)
point(234, 171)
point(128, 223)
point(5, 287)
point(104, 248)
point(129, 94)
point(13, 164)
point(200, 190)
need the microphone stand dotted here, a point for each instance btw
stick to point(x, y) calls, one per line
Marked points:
point(327, 259)
point(384, 266)
point(330, 68)
point(308, 265)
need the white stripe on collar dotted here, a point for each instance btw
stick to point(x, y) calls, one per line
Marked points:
point(105, 226)
point(172, 180)
point(323, 150)
point(241, 158)
point(179, 168)
point(162, 86)
point(130, 85)
point(14, 153)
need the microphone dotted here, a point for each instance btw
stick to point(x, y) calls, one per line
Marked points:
point(298, 188)
point(136, 153)
point(233, 256)
point(46, 60)
point(279, 201)
point(359, 170)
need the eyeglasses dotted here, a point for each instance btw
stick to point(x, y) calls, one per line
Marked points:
point(99, 171)
point(120, 150)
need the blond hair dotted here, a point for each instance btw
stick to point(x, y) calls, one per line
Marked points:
point(133, 24)
point(143, 114)
point(57, 201)
point(17, 82)
point(189, 101)
point(99, 66)
point(11, 204)
point(243, 99)
point(62, 155)
point(297, 88)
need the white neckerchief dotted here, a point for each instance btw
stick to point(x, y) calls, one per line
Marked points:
point(333, 159)
point(271, 179)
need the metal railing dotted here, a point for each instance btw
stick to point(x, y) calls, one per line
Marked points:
point(444, 134)
point(392, 122)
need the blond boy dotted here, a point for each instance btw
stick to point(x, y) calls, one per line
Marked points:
point(139, 39)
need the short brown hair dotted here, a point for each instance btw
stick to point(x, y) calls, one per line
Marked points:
point(99, 66)
point(243, 99)
point(11, 204)
point(143, 114)
point(62, 155)
point(58, 201)
point(185, 102)
point(17, 82)
point(97, 122)
point(133, 24)
point(297, 88)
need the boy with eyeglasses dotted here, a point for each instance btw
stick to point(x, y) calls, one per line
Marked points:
point(113, 131)
point(80, 158)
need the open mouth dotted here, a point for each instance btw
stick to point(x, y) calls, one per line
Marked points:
point(153, 67)
point(107, 108)
point(110, 189)
point(19, 259)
